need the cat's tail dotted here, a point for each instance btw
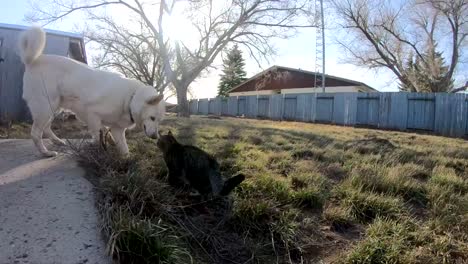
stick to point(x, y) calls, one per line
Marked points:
point(231, 183)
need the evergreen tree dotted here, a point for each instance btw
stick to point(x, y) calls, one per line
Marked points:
point(437, 70)
point(428, 76)
point(233, 72)
point(410, 71)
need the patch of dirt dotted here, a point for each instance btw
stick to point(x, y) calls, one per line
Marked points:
point(418, 210)
point(309, 154)
point(334, 172)
point(255, 140)
point(420, 176)
point(213, 117)
point(458, 166)
point(371, 145)
point(280, 164)
point(331, 245)
point(297, 184)
point(340, 227)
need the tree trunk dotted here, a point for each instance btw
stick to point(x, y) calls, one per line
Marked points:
point(182, 102)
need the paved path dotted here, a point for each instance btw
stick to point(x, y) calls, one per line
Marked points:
point(47, 212)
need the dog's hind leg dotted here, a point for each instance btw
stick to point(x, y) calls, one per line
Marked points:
point(51, 135)
point(41, 121)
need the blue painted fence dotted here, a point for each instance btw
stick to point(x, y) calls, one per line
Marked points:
point(438, 113)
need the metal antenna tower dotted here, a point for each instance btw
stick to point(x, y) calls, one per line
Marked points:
point(319, 46)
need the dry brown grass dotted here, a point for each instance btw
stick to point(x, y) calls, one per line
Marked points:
point(313, 193)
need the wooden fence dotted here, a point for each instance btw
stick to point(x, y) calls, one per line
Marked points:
point(438, 113)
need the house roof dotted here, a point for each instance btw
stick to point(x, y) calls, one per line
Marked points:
point(348, 82)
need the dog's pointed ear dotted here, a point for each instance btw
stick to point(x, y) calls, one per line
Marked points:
point(155, 99)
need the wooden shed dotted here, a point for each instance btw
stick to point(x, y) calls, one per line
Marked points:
point(12, 106)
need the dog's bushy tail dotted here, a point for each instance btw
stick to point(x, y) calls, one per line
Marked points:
point(231, 183)
point(31, 44)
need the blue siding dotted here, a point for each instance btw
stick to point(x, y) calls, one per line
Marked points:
point(301, 108)
point(289, 107)
point(324, 109)
point(466, 117)
point(421, 112)
point(263, 107)
point(241, 106)
point(203, 106)
point(224, 106)
point(232, 106)
point(193, 107)
point(276, 107)
point(251, 110)
point(368, 110)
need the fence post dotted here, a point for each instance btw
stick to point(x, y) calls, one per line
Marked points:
point(282, 107)
point(218, 106)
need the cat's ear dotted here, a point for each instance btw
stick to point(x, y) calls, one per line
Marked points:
point(169, 133)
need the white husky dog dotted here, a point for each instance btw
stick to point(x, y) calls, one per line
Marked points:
point(99, 98)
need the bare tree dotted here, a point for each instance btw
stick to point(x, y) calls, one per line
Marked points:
point(133, 53)
point(388, 36)
point(250, 23)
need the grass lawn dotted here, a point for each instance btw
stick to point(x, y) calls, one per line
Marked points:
point(313, 193)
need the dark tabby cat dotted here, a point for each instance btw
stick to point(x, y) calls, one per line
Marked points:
point(192, 167)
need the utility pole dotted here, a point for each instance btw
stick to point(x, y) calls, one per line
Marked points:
point(319, 46)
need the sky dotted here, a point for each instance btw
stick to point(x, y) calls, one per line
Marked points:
point(297, 52)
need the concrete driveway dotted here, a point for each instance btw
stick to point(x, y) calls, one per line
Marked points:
point(47, 212)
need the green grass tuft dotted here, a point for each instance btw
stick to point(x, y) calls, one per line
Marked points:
point(385, 242)
point(366, 206)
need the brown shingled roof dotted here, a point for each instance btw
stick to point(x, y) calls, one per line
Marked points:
point(295, 78)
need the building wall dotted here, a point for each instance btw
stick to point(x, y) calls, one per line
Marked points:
point(12, 106)
point(247, 93)
point(337, 89)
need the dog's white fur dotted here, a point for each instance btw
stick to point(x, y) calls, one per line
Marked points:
point(99, 98)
